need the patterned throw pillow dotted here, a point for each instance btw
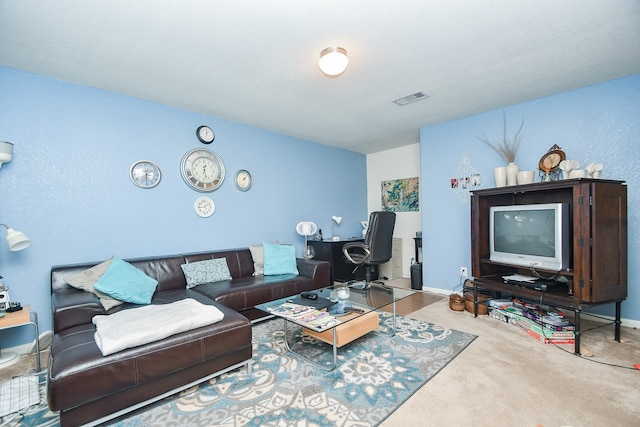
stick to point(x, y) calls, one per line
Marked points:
point(87, 278)
point(211, 270)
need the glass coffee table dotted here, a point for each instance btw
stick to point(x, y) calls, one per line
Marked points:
point(339, 315)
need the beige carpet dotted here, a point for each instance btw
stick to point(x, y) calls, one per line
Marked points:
point(506, 378)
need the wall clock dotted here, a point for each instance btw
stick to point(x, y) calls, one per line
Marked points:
point(145, 174)
point(204, 207)
point(205, 134)
point(550, 163)
point(202, 169)
point(243, 180)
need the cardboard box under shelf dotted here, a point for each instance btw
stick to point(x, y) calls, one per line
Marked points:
point(349, 331)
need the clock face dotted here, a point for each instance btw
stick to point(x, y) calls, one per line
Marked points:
point(145, 174)
point(204, 207)
point(205, 134)
point(202, 170)
point(243, 180)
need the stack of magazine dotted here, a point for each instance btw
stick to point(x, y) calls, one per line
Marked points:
point(310, 316)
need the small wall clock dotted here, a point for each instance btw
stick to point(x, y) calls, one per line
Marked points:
point(205, 134)
point(243, 180)
point(204, 207)
point(202, 169)
point(145, 174)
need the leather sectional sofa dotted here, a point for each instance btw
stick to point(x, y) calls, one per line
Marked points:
point(89, 388)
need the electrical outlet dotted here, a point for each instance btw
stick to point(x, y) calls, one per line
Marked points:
point(463, 272)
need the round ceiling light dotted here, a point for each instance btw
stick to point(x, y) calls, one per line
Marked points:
point(333, 61)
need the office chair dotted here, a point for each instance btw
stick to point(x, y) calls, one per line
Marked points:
point(376, 248)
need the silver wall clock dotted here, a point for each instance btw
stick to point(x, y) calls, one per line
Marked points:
point(145, 174)
point(243, 180)
point(202, 169)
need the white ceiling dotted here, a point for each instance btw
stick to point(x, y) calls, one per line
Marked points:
point(255, 61)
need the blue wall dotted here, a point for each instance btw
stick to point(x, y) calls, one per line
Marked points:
point(599, 123)
point(68, 186)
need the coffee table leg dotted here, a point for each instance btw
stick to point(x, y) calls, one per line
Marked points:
point(290, 350)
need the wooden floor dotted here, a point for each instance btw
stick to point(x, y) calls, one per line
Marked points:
point(412, 303)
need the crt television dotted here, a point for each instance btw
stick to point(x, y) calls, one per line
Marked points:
point(536, 236)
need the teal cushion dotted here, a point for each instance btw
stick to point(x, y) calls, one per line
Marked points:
point(124, 282)
point(279, 259)
point(211, 270)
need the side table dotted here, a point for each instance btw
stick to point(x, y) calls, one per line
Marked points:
point(22, 318)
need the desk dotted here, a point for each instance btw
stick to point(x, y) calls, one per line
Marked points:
point(341, 268)
point(22, 318)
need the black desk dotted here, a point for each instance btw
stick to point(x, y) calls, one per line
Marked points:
point(341, 268)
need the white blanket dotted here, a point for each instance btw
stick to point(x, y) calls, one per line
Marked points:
point(137, 326)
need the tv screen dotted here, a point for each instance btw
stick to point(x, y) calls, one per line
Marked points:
point(535, 236)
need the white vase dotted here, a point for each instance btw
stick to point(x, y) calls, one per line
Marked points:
point(500, 175)
point(512, 174)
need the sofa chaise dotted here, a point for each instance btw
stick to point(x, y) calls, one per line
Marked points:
point(87, 387)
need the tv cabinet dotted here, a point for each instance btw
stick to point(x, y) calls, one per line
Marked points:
point(598, 263)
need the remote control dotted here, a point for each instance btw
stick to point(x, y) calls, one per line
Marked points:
point(309, 295)
point(354, 310)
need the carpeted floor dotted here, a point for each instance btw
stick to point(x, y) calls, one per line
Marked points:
point(505, 378)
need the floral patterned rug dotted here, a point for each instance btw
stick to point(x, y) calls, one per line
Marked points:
point(374, 376)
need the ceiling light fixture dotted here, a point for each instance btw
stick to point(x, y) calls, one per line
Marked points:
point(333, 61)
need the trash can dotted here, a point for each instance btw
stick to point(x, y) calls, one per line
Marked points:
point(416, 276)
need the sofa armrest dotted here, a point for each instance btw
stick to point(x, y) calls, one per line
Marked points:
point(319, 271)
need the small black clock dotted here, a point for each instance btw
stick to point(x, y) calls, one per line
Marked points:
point(205, 134)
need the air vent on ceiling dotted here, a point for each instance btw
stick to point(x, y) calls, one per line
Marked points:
point(411, 98)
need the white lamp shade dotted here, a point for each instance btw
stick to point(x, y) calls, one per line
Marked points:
point(17, 240)
point(337, 219)
point(333, 61)
point(6, 152)
point(306, 228)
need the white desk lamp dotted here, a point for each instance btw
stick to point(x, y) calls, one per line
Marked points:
point(307, 229)
point(336, 220)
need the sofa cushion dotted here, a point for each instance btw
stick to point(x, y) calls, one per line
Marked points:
point(257, 253)
point(126, 283)
point(86, 280)
point(279, 259)
point(211, 270)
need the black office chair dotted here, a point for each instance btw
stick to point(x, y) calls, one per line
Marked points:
point(376, 248)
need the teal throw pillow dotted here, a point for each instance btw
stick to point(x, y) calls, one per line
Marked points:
point(211, 270)
point(124, 282)
point(279, 259)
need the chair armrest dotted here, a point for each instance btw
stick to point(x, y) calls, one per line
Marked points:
point(356, 252)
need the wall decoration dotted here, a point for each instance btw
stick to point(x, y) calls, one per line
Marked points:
point(401, 195)
point(465, 179)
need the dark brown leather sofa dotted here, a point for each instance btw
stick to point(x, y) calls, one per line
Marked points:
point(89, 388)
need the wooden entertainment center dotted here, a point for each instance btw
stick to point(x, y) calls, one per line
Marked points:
point(598, 271)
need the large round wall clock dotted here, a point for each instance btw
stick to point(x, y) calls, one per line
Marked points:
point(202, 169)
point(145, 174)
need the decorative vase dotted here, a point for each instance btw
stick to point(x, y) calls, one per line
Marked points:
point(500, 175)
point(512, 174)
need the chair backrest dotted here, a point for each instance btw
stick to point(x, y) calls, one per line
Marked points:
point(379, 237)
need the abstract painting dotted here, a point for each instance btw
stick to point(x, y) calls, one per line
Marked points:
point(401, 195)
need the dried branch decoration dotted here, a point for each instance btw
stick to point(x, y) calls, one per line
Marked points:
point(506, 148)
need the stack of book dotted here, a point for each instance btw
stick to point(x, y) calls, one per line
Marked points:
point(307, 315)
point(547, 327)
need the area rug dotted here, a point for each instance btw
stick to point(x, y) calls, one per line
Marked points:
point(374, 376)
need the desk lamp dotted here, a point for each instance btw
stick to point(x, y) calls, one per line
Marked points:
point(335, 220)
point(307, 229)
